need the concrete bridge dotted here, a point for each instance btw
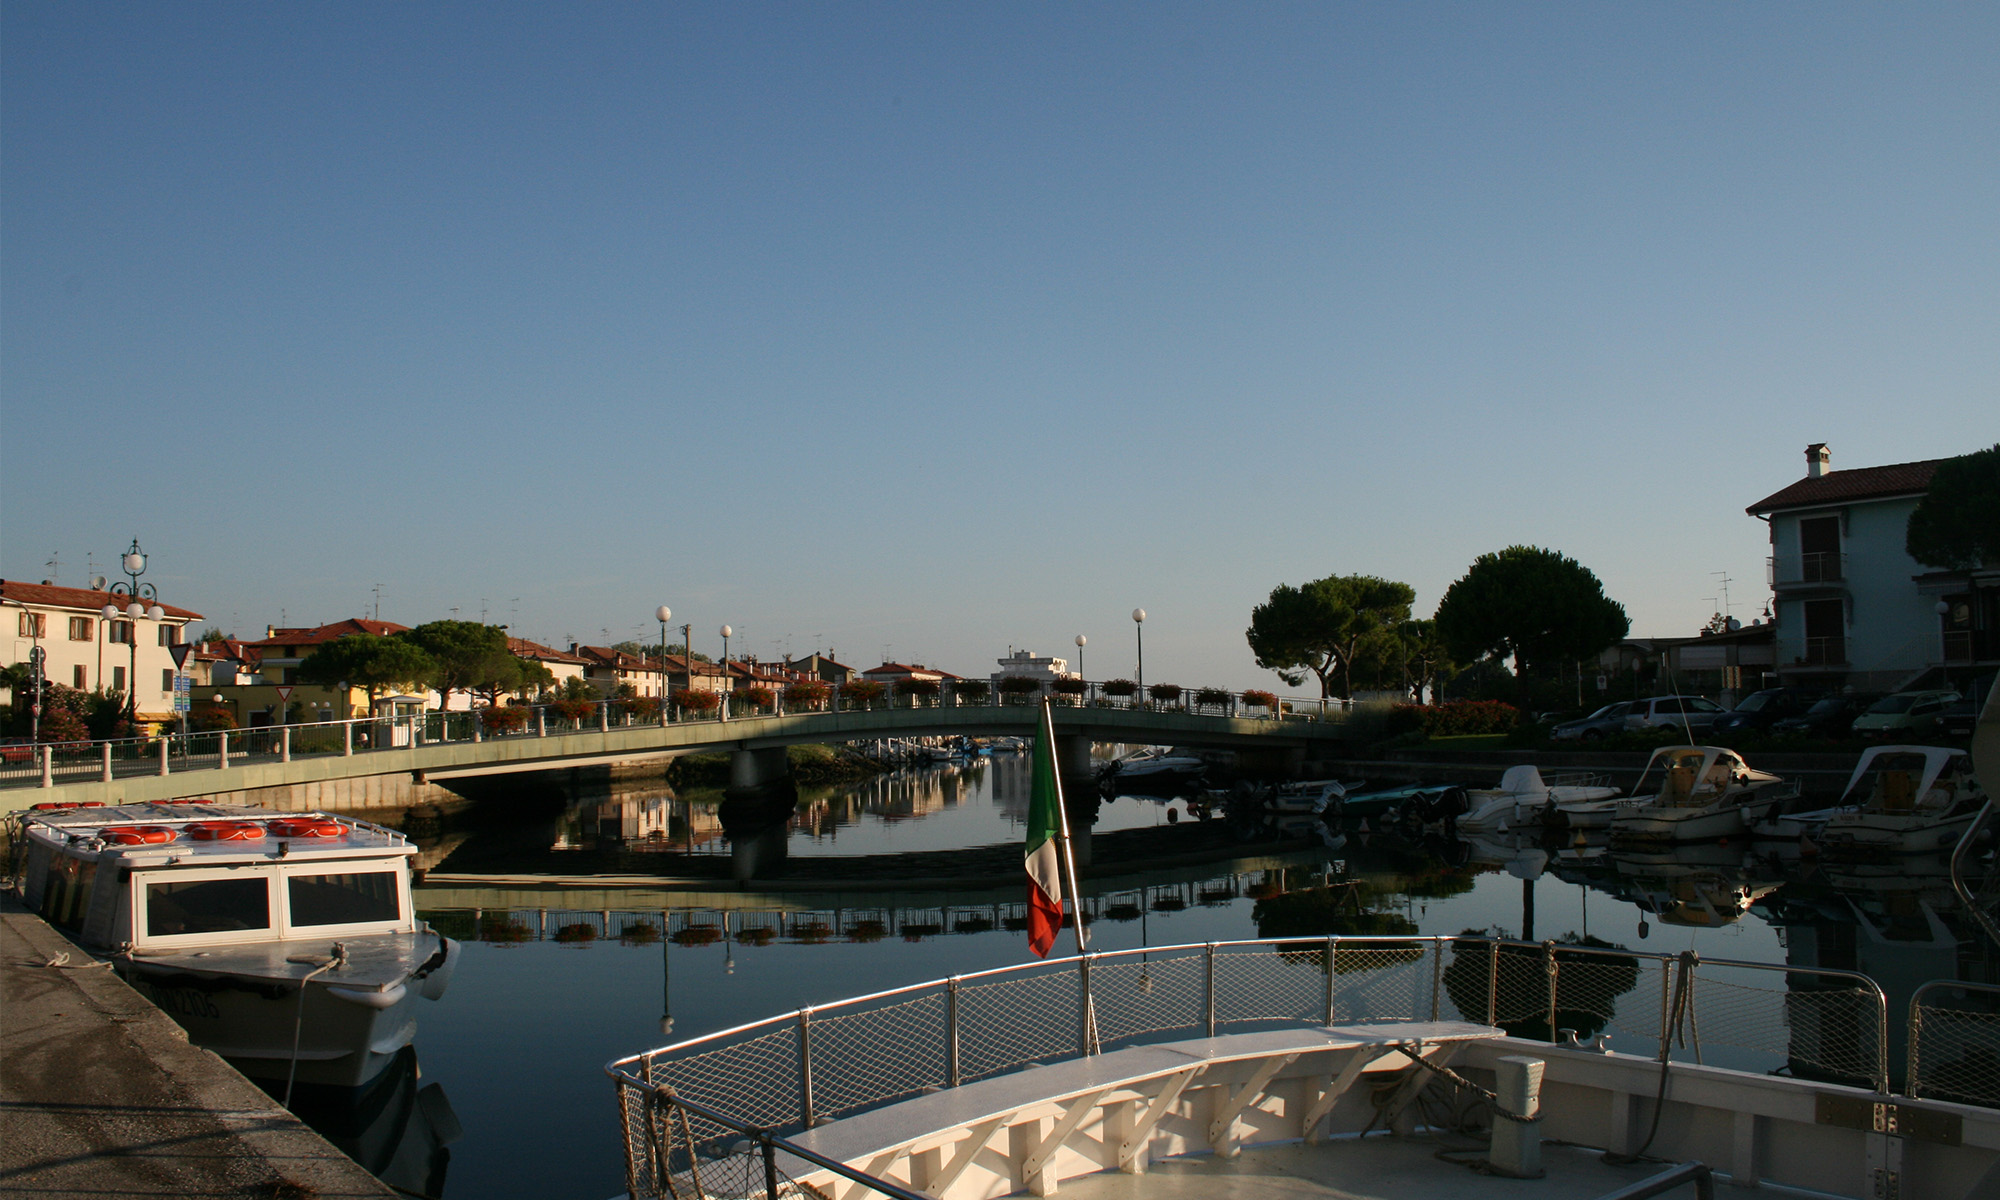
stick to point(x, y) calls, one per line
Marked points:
point(455, 747)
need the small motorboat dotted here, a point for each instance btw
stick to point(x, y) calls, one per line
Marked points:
point(1904, 800)
point(1702, 793)
point(1524, 798)
point(286, 942)
point(1152, 766)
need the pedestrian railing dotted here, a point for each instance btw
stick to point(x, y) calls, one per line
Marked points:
point(1955, 1042)
point(790, 1072)
point(49, 764)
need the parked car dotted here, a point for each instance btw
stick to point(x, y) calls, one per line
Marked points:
point(1697, 714)
point(1607, 720)
point(1763, 709)
point(1958, 720)
point(1830, 716)
point(1904, 715)
point(17, 749)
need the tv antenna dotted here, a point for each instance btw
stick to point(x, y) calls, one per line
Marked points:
point(1726, 581)
point(378, 601)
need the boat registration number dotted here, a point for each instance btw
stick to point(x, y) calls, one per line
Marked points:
point(184, 1002)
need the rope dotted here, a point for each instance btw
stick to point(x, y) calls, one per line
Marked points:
point(338, 959)
point(1676, 1014)
point(61, 962)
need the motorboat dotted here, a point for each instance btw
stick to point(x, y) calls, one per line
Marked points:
point(1524, 798)
point(1702, 793)
point(1152, 766)
point(1904, 800)
point(286, 942)
point(1311, 796)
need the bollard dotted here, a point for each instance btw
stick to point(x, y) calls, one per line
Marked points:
point(285, 744)
point(107, 762)
point(222, 751)
point(48, 766)
point(166, 744)
point(347, 742)
point(1517, 1136)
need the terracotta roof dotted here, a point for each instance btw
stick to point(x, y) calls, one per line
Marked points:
point(523, 648)
point(1861, 483)
point(315, 635)
point(227, 650)
point(48, 595)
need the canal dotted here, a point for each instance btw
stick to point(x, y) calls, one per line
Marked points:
point(574, 956)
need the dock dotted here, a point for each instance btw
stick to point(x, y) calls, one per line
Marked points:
point(101, 1094)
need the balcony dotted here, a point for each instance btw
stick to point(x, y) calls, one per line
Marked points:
point(1825, 652)
point(1806, 571)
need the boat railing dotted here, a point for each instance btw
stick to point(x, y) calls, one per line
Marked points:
point(794, 1071)
point(1954, 1032)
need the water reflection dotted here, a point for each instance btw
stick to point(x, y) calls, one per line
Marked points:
point(397, 1128)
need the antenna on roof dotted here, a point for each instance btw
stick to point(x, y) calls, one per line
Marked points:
point(54, 564)
point(1726, 581)
point(378, 601)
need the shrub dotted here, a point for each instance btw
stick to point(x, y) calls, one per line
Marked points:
point(758, 697)
point(1215, 697)
point(918, 688)
point(971, 689)
point(861, 691)
point(643, 707)
point(573, 710)
point(1452, 718)
point(503, 718)
point(1258, 699)
point(1018, 685)
point(211, 719)
point(807, 692)
point(699, 700)
point(1070, 687)
point(1166, 693)
point(576, 933)
point(1120, 687)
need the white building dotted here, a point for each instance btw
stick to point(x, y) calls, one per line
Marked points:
point(1032, 666)
point(87, 652)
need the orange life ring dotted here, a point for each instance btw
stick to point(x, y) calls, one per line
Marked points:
point(306, 827)
point(139, 835)
point(225, 831)
point(61, 804)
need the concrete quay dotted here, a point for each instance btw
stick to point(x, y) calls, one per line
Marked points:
point(101, 1095)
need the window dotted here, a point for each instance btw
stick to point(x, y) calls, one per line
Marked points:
point(118, 679)
point(32, 625)
point(1819, 549)
point(66, 891)
point(167, 680)
point(207, 906)
point(121, 632)
point(79, 679)
point(170, 635)
point(343, 899)
point(82, 629)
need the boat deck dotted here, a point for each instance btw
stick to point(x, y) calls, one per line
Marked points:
point(1374, 1168)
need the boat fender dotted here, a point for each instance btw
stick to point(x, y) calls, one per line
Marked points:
point(368, 997)
point(436, 972)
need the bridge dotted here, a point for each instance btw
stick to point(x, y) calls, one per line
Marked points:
point(436, 747)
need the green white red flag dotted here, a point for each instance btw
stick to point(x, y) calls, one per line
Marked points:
point(1044, 849)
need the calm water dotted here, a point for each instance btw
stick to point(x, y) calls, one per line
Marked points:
point(518, 1044)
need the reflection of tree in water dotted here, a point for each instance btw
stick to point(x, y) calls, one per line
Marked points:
point(1587, 985)
point(1338, 910)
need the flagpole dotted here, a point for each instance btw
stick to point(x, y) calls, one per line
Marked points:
point(1062, 830)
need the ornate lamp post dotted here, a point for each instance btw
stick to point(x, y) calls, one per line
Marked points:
point(665, 614)
point(1139, 631)
point(134, 565)
point(1080, 640)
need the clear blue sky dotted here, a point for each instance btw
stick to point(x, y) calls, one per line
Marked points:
point(937, 329)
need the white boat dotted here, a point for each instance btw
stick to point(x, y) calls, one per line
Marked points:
point(1153, 765)
point(1309, 796)
point(1904, 800)
point(1523, 799)
point(257, 931)
point(1702, 793)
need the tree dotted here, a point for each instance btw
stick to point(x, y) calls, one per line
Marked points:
point(505, 675)
point(467, 653)
point(365, 660)
point(1325, 626)
point(1532, 605)
point(1427, 661)
point(1957, 524)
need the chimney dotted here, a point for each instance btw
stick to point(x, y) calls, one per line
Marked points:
point(1817, 460)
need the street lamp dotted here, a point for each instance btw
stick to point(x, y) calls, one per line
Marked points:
point(727, 685)
point(1080, 640)
point(665, 614)
point(1139, 631)
point(133, 563)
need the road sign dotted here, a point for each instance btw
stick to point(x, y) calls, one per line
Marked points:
point(180, 651)
point(284, 693)
point(38, 656)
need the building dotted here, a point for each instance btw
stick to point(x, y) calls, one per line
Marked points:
point(264, 682)
point(607, 669)
point(823, 668)
point(1033, 666)
point(1852, 608)
point(84, 651)
point(564, 667)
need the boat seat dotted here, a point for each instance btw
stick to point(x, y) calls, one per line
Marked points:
point(1898, 792)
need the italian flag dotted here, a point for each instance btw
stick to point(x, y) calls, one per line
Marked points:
point(1044, 851)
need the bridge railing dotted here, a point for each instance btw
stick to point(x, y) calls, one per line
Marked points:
point(49, 764)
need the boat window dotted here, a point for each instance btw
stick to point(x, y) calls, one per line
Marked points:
point(343, 899)
point(207, 906)
point(66, 891)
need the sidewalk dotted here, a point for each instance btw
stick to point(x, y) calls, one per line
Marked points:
point(102, 1096)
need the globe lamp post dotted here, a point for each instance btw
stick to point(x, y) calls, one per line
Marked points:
point(1139, 631)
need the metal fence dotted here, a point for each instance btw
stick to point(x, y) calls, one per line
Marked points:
point(793, 1071)
point(50, 763)
point(1955, 1042)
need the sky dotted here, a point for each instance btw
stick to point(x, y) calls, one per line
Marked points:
point(924, 332)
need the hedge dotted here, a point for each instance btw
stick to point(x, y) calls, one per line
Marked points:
point(1453, 717)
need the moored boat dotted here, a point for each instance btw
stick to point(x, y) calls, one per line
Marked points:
point(1524, 798)
point(1904, 800)
point(286, 942)
point(1702, 793)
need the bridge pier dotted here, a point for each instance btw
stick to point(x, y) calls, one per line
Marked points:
point(755, 770)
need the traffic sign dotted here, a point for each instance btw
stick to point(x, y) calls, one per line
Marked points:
point(284, 692)
point(180, 651)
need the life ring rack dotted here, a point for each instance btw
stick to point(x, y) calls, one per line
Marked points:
point(306, 827)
